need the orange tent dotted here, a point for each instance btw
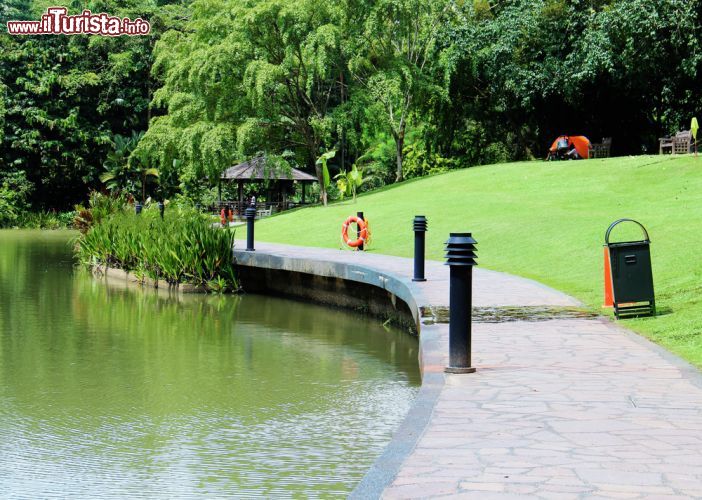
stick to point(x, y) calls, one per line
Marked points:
point(580, 142)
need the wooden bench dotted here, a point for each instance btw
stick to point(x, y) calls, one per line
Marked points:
point(601, 150)
point(679, 144)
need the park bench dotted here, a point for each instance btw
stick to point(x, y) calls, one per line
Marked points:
point(264, 212)
point(601, 150)
point(680, 143)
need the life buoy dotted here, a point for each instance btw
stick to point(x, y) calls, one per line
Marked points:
point(362, 227)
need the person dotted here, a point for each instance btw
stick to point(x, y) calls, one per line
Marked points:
point(223, 217)
point(562, 147)
point(572, 153)
point(253, 201)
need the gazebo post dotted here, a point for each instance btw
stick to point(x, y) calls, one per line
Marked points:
point(303, 192)
point(241, 196)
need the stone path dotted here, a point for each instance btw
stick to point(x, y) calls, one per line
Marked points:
point(559, 408)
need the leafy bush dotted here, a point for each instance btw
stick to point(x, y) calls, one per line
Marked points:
point(495, 152)
point(45, 220)
point(100, 206)
point(14, 192)
point(379, 162)
point(419, 163)
point(181, 248)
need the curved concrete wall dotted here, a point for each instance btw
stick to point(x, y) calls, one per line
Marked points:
point(333, 277)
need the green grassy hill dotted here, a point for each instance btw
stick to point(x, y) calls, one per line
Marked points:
point(545, 221)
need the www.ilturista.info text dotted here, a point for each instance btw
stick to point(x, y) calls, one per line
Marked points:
point(56, 21)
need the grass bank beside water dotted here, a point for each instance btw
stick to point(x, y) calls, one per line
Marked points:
point(545, 221)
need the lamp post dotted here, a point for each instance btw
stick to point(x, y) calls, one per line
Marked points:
point(420, 225)
point(250, 216)
point(460, 256)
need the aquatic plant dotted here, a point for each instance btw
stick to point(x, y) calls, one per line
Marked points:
point(99, 207)
point(183, 247)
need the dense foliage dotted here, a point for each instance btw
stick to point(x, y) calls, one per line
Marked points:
point(181, 248)
point(401, 88)
point(66, 97)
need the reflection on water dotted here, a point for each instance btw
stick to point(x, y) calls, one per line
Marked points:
point(120, 393)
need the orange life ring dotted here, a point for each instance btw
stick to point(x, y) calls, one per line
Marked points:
point(361, 226)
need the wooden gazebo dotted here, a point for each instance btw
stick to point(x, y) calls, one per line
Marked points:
point(258, 170)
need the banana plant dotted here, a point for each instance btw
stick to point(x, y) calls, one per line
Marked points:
point(326, 180)
point(349, 182)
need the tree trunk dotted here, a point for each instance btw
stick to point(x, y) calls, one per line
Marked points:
point(320, 179)
point(343, 127)
point(399, 146)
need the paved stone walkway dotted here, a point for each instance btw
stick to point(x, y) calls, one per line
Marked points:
point(559, 408)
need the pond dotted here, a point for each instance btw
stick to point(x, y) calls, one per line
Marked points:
point(112, 393)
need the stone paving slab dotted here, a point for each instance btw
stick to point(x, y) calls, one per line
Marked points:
point(561, 409)
point(558, 409)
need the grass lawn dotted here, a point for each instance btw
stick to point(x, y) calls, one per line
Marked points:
point(546, 221)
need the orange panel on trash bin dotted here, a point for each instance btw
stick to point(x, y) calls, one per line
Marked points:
point(608, 294)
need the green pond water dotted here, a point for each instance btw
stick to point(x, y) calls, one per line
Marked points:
point(121, 393)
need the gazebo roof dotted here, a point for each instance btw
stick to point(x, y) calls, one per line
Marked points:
point(255, 170)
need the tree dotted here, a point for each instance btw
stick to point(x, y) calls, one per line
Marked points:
point(524, 72)
point(291, 81)
point(124, 173)
point(66, 97)
point(3, 110)
point(396, 59)
point(247, 78)
point(14, 10)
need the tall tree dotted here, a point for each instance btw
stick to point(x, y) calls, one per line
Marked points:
point(246, 77)
point(526, 71)
point(67, 96)
point(395, 57)
point(292, 79)
point(51, 131)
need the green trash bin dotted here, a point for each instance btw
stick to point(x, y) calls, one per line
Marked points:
point(631, 275)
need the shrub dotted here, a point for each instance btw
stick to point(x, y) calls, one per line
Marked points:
point(45, 220)
point(100, 206)
point(181, 248)
point(419, 163)
point(14, 191)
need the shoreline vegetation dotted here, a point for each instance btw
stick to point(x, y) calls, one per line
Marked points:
point(181, 249)
point(42, 220)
